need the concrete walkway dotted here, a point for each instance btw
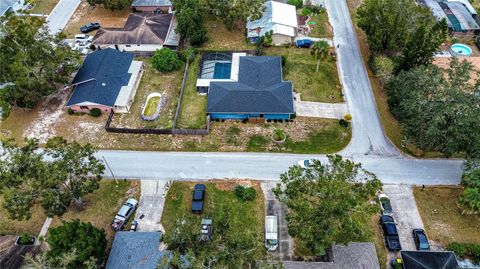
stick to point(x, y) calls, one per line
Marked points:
point(151, 204)
point(60, 15)
point(44, 230)
point(319, 110)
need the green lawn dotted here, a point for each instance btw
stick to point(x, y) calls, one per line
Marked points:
point(194, 105)
point(300, 67)
point(43, 6)
point(220, 199)
point(14, 227)
point(322, 27)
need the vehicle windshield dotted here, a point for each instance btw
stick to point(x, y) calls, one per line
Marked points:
point(198, 195)
point(271, 242)
point(306, 163)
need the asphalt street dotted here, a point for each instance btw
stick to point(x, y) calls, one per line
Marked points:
point(60, 15)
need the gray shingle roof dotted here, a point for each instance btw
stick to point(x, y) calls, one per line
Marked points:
point(260, 89)
point(151, 3)
point(429, 260)
point(135, 250)
point(140, 28)
point(109, 70)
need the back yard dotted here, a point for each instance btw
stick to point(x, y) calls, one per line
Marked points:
point(300, 67)
point(244, 217)
point(443, 219)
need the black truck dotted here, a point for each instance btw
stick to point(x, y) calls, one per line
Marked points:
point(390, 232)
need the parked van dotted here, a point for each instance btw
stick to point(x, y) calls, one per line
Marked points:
point(271, 233)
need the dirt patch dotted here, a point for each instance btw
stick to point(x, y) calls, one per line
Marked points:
point(228, 185)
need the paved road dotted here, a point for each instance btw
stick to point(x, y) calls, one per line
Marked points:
point(61, 14)
point(268, 166)
point(368, 136)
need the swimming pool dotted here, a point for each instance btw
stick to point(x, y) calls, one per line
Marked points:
point(460, 50)
point(222, 70)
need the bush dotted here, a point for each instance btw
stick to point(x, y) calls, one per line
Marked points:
point(95, 112)
point(245, 193)
point(70, 111)
point(382, 66)
point(166, 60)
point(25, 239)
point(296, 3)
point(284, 61)
point(278, 134)
point(189, 54)
point(347, 117)
point(466, 250)
point(343, 123)
point(306, 11)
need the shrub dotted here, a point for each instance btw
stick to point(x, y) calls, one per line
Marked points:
point(189, 54)
point(25, 239)
point(166, 60)
point(284, 61)
point(278, 134)
point(95, 112)
point(245, 193)
point(70, 111)
point(296, 3)
point(343, 123)
point(306, 11)
point(347, 117)
point(382, 66)
point(466, 250)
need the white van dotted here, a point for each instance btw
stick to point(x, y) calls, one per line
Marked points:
point(271, 233)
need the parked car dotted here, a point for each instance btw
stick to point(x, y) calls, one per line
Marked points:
point(83, 38)
point(390, 233)
point(306, 163)
point(271, 233)
point(134, 226)
point(124, 214)
point(87, 28)
point(385, 204)
point(304, 43)
point(82, 47)
point(198, 197)
point(421, 240)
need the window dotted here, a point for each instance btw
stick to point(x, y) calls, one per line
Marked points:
point(83, 107)
point(128, 46)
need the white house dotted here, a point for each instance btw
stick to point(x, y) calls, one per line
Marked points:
point(277, 17)
point(11, 6)
point(143, 32)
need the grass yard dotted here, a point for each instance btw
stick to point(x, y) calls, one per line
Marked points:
point(443, 219)
point(167, 84)
point(194, 106)
point(86, 14)
point(15, 227)
point(43, 6)
point(152, 106)
point(245, 216)
point(322, 27)
point(300, 67)
point(102, 205)
point(220, 38)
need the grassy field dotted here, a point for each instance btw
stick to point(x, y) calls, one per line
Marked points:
point(300, 67)
point(245, 216)
point(167, 84)
point(322, 27)
point(43, 6)
point(14, 227)
point(194, 105)
point(102, 205)
point(220, 38)
point(443, 219)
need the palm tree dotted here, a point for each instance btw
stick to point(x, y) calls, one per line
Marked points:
point(320, 51)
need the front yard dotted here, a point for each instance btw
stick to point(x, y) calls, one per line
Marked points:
point(443, 219)
point(319, 25)
point(43, 6)
point(245, 217)
point(86, 14)
point(300, 67)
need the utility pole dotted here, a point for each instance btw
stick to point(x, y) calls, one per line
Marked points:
point(110, 169)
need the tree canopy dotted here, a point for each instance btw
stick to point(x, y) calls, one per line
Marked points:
point(34, 64)
point(438, 109)
point(470, 198)
point(328, 203)
point(84, 240)
point(233, 12)
point(61, 174)
point(190, 14)
point(166, 60)
point(111, 4)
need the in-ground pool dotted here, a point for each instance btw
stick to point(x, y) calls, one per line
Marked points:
point(222, 70)
point(461, 50)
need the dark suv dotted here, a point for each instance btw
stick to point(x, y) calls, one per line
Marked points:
point(87, 28)
point(198, 197)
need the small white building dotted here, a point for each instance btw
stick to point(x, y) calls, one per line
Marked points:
point(277, 17)
point(143, 32)
point(11, 6)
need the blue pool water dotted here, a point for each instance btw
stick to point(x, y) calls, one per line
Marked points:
point(461, 49)
point(222, 70)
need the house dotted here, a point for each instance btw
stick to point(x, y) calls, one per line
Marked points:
point(143, 32)
point(251, 87)
point(165, 6)
point(355, 255)
point(11, 6)
point(108, 80)
point(459, 14)
point(277, 17)
point(429, 260)
point(135, 250)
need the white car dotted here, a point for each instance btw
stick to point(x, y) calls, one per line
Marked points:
point(82, 47)
point(271, 233)
point(306, 163)
point(83, 38)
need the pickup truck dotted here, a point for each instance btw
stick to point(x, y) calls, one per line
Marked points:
point(124, 214)
point(390, 232)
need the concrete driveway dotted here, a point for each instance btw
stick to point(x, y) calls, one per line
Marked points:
point(405, 213)
point(320, 110)
point(274, 207)
point(151, 204)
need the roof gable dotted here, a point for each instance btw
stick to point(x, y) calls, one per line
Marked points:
point(429, 260)
point(101, 77)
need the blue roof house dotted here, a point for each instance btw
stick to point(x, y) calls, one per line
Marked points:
point(108, 80)
point(257, 91)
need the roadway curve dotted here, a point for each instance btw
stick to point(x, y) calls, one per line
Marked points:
point(369, 144)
